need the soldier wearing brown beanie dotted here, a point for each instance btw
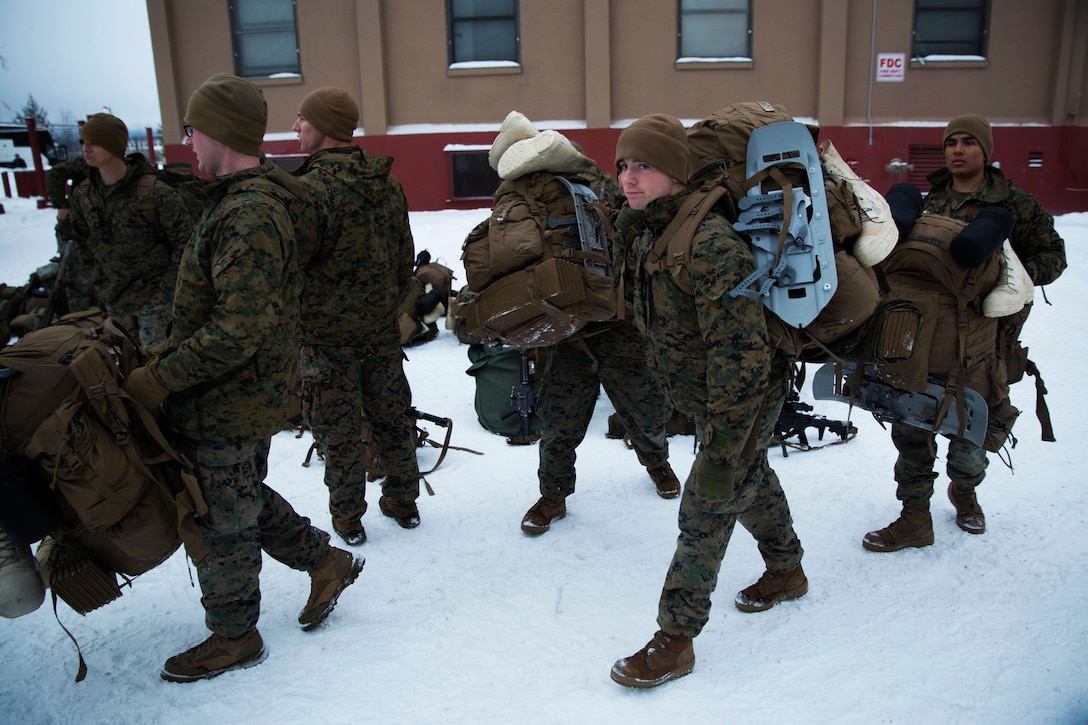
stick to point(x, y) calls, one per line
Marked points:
point(966, 189)
point(129, 229)
point(356, 274)
point(712, 353)
point(224, 380)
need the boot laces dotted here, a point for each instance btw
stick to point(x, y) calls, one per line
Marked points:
point(11, 553)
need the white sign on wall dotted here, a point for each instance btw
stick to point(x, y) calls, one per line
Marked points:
point(891, 67)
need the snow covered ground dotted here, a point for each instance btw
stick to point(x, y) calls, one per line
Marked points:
point(467, 620)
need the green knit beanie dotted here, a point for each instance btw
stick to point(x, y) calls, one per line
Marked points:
point(658, 140)
point(231, 110)
point(106, 131)
point(331, 111)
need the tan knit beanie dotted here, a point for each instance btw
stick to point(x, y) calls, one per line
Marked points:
point(106, 131)
point(974, 125)
point(658, 140)
point(331, 111)
point(231, 110)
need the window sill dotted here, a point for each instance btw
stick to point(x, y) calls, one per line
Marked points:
point(282, 81)
point(931, 64)
point(479, 69)
point(715, 64)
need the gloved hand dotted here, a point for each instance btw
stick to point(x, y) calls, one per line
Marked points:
point(146, 387)
point(713, 481)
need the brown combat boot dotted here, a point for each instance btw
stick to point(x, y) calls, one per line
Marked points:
point(771, 589)
point(665, 657)
point(214, 656)
point(969, 516)
point(914, 527)
point(405, 513)
point(336, 571)
point(352, 532)
point(539, 518)
point(665, 480)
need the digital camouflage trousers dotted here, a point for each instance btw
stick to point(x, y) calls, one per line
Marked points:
point(914, 468)
point(338, 395)
point(568, 395)
point(244, 516)
point(758, 503)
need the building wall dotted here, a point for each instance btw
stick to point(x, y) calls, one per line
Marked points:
point(589, 67)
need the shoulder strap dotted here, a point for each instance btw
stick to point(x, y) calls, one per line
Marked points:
point(673, 247)
point(145, 198)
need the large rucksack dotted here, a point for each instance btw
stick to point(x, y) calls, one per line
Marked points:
point(539, 268)
point(125, 497)
point(955, 382)
point(812, 237)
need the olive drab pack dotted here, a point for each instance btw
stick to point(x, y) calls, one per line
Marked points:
point(539, 268)
point(126, 498)
point(815, 229)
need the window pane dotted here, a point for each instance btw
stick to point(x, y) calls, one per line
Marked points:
point(714, 28)
point(265, 37)
point(950, 27)
point(473, 177)
point(482, 30)
point(482, 8)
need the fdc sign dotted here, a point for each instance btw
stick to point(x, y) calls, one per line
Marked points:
point(891, 67)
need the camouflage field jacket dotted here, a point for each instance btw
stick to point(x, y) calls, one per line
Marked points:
point(360, 263)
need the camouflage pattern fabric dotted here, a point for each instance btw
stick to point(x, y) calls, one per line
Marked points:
point(713, 355)
point(357, 268)
point(57, 179)
point(914, 474)
point(759, 503)
point(244, 516)
point(568, 394)
point(338, 394)
point(231, 358)
point(129, 260)
point(1033, 236)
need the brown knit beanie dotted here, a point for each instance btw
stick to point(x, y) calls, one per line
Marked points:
point(106, 131)
point(230, 110)
point(658, 140)
point(331, 111)
point(974, 125)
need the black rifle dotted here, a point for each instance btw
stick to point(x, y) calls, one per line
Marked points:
point(796, 417)
point(522, 402)
point(47, 317)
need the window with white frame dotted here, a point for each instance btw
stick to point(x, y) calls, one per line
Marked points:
point(950, 29)
point(714, 29)
point(482, 31)
point(265, 37)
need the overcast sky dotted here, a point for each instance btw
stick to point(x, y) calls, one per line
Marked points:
point(76, 58)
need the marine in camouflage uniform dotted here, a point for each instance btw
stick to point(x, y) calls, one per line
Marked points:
point(131, 256)
point(1042, 252)
point(356, 273)
point(226, 374)
point(713, 354)
point(613, 356)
